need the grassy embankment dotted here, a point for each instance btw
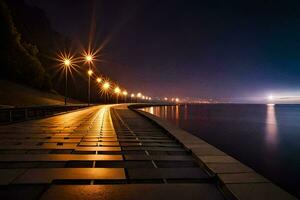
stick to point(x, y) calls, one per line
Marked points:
point(12, 94)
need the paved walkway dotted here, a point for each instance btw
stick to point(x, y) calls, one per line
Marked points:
point(99, 153)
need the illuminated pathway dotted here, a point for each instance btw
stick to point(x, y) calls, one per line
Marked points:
point(99, 153)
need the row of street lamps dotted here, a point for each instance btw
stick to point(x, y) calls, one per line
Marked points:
point(68, 62)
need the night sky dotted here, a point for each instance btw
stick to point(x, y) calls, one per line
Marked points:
point(220, 49)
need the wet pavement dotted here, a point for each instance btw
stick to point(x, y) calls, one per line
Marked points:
point(99, 153)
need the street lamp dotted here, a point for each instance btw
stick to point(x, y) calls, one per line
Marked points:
point(67, 63)
point(99, 80)
point(89, 60)
point(117, 92)
point(125, 95)
point(131, 97)
point(139, 95)
point(105, 87)
point(90, 72)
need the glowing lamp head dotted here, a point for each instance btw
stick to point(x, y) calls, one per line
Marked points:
point(143, 97)
point(105, 86)
point(139, 95)
point(90, 72)
point(177, 99)
point(166, 99)
point(89, 58)
point(67, 62)
point(149, 98)
point(117, 90)
point(99, 80)
point(132, 95)
point(125, 93)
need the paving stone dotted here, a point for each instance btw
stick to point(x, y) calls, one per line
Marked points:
point(38, 151)
point(124, 164)
point(175, 164)
point(108, 139)
point(61, 151)
point(79, 164)
point(22, 192)
point(17, 165)
point(250, 177)
point(160, 144)
point(39, 176)
point(111, 144)
point(228, 168)
point(157, 157)
point(167, 173)
point(84, 152)
point(153, 148)
point(130, 144)
point(52, 164)
point(8, 175)
point(134, 192)
point(207, 150)
point(259, 191)
point(60, 157)
point(88, 144)
point(55, 146)
point(98, 149)
point(217, 159)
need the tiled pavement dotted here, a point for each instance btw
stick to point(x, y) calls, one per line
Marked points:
point(98, 153)
point(84, 155)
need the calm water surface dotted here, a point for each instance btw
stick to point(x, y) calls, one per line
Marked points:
point(265, 137)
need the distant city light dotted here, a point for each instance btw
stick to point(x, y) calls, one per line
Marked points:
point(270, 97)
point(166, 99)
point(125, 93)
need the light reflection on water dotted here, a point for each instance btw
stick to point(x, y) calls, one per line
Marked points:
point(265, 137)
point(271, 126)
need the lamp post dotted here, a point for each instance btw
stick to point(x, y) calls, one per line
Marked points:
point(117, 92)
point(139, 95)
point(89, 60)
point(125, 95)
point(90, 72)
point(105, 87)
point(67, 63)
point(131, 97)
point(99, 81)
